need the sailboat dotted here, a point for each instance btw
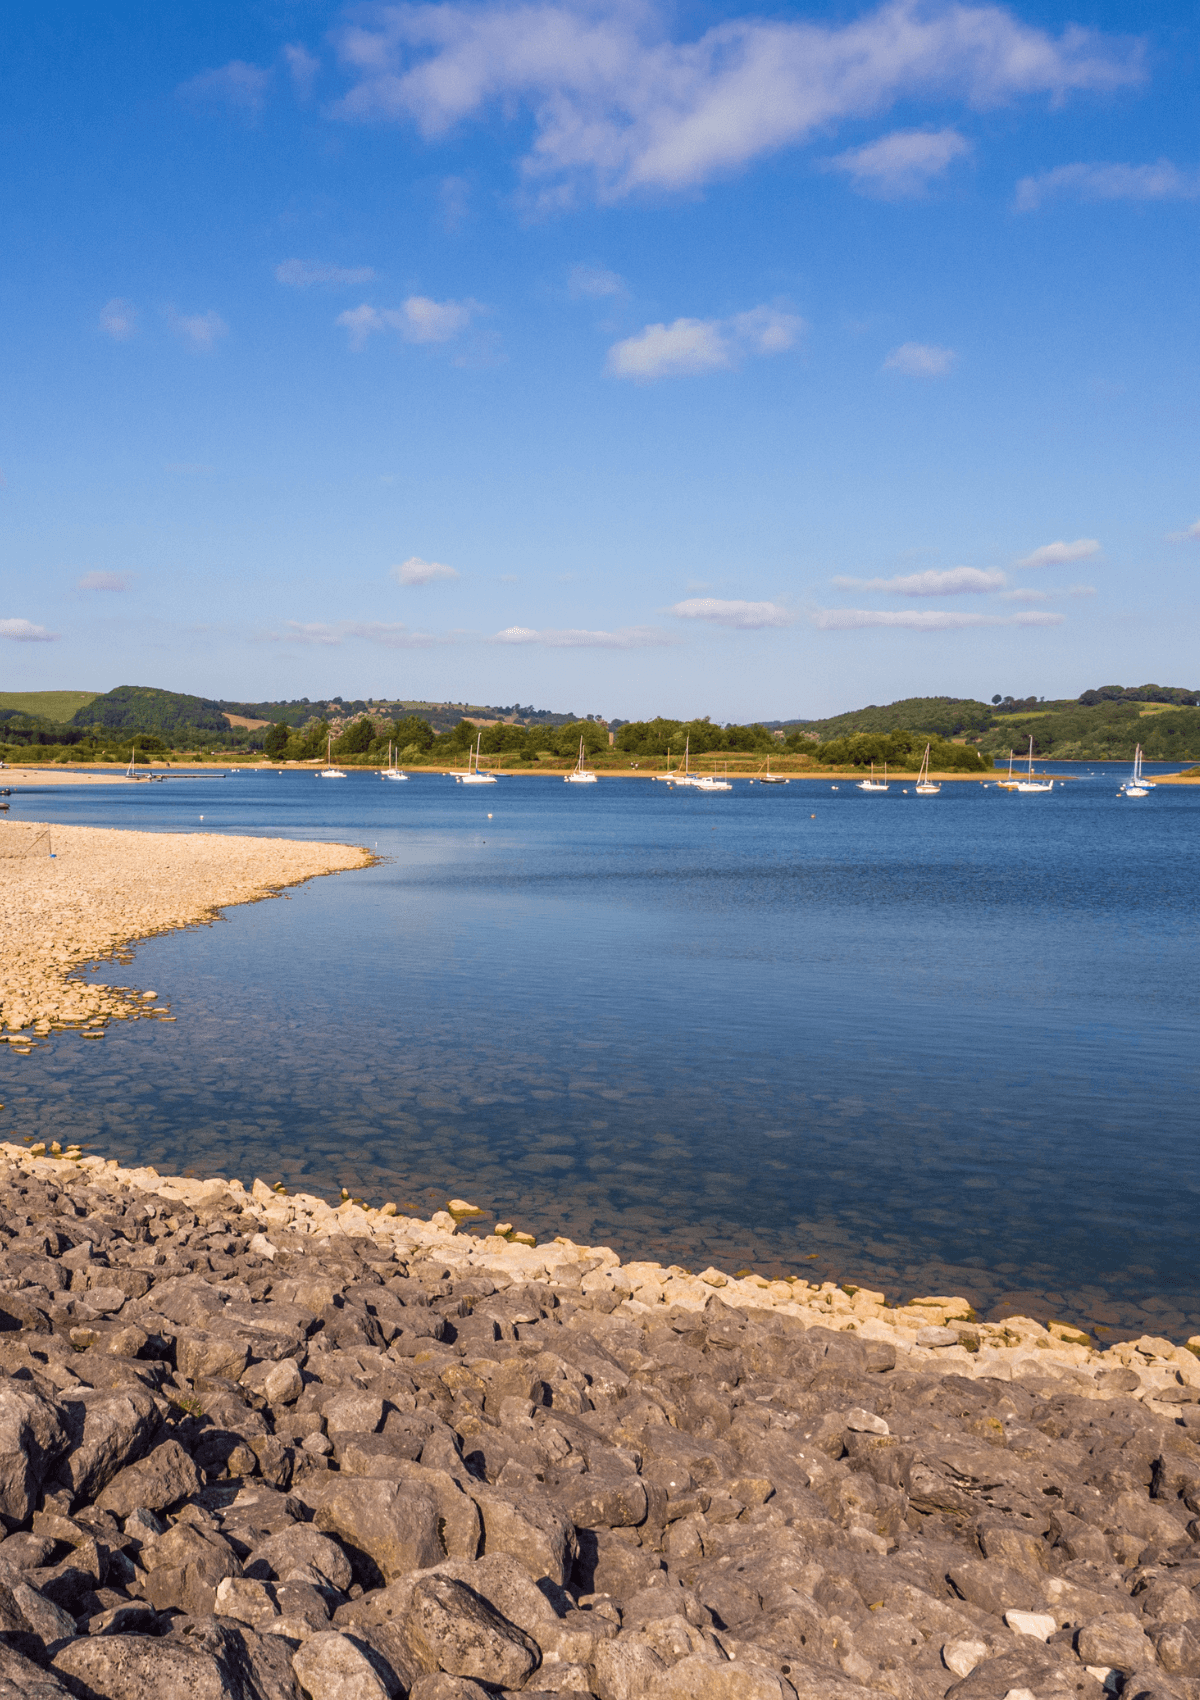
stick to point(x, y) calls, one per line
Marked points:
point(131, 770)
point(579, 774)
point(329, 771)
point(686, 776)
point(391, 771)
point(710, 782)
point(669, 775)
point(874, 784)
point(924, 788)
point(1135, 786)
point(1009, 784)
point(769, 778)
point(473, 776)
point(1032, 784)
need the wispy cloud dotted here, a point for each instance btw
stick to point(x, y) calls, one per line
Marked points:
point(1048, 595)
point(1059, 554)
point(328, 634)
point(595, 283)
point(303, 274)
point(105, 581)
point(239, 86)
point(956, 581)
point(921, 620)
point(901, 166)
point(616, 102)
point(420, 319)
point(1189, 534)
point(202, 330)
point(920, 360)
point(23, 631)
point(302, 67)
point(417, 571)
point(1162, 181)
point(689, 346)
point(741, 616)
point(119, 319)
point(626, 637)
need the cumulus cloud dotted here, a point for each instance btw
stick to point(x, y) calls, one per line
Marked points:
point(23, 631)
point(302, 67)
point(105, 581)
point(1162, 181)
point(303, 274)
point(1058, 554)
point(688, 346)
point(921, 620)
point(920, 360)
point(742, 616)
point(1189, 533)
point(901, 166)
point(418, 320)
point(417, 571)
point(956, 581)
point(626, 637)
point(240, 86)
point(119, 319)
point(613, 99)
point(595, 283)
point(202, 330)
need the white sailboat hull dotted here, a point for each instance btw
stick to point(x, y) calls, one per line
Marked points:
point(579, 779)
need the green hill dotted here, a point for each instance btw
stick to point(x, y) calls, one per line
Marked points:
point(58, 706)
point(142, 708)
point(943, 717)
point(1098, 731)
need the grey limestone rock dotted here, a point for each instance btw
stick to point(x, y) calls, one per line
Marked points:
point(451, 1628)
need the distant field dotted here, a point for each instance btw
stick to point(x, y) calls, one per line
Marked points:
point(55, 705)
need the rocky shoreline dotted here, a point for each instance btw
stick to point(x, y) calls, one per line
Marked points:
point(255, 1447)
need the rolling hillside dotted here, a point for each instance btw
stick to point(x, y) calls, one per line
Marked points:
point(58, 706)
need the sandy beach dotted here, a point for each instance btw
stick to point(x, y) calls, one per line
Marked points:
point(72, 894)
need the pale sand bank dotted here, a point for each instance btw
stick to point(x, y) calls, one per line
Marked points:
point(103, 889)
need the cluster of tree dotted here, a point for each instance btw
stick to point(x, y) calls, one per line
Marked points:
point(658, 737)
point(941, 717)
point(142, 708)
point(1177, 694)
point(902, 749)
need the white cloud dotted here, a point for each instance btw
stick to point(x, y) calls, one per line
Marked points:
point(303, 68)
point(594, 283)
point(203, 330)
point(742, 616)
point(118, 319)
point(626, 637)
point(417, 571)
point(1058, 554)
point(1162, 181)
point(954, 582)
point(23, 631)
point(614, 99)
point(105, 581)
point(921, 620)
point(1188, 535)
point(237, 85)
point(920, 360)
point(688, 346)
point(901, 166)
point(389, 635)
point(302, 274)
point(418, 320)
point(1048, 595)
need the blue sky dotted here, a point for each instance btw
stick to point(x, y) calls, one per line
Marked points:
point(605, 356)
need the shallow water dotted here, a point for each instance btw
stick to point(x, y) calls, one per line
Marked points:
point(932, 1044)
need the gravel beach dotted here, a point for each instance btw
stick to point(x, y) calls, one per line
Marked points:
point(72, 894)
point(256, 1447)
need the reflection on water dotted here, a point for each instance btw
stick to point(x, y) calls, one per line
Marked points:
point(934, 1045)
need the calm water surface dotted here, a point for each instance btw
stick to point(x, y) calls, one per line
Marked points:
point(936, 1045)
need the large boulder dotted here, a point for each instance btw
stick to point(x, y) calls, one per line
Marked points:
point(106, 1430)
point(21, 1679)
point(450, 1628)
point(334, 1666)
point(161, 1479)
point(298, 1548)
point(33, 1436)
point(387, 1528)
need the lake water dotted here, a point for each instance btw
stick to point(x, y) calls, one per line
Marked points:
point(931, 1044)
